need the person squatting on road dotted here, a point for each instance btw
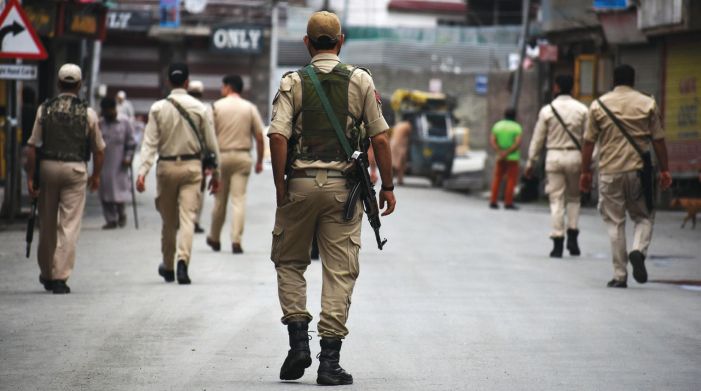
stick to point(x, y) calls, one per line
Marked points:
point(505, 139)
point(236, 122)
point(115, 184)
point(65, 134)
point(624, 123)
point(180, 133)
point(311, 192)
point(559, 129)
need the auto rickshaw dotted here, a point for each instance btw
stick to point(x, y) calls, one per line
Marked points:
point(431, 145)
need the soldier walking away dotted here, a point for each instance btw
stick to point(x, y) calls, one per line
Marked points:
point(625, 123)
point(196, 89)
point(559, 128)
point(115, 185)
point(236, 122)
point(179, 132)
point(312, 192)
point(505, 139)
point(65, 133)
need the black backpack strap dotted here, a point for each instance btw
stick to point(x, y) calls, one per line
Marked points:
point(564, 126)
point(620, 127)
point(189, 120)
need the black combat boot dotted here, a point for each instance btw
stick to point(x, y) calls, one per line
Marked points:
point(298, 357)
point(572, 245)
point(558, 241)
point(330, 373)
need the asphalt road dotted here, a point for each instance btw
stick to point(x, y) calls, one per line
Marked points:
point(462, 298)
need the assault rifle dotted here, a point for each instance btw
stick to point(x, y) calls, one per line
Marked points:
point(364, 190)
point(33, 214)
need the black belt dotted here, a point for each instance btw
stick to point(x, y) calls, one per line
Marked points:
point(311, 173)
point(179, 157)
point(564, 149)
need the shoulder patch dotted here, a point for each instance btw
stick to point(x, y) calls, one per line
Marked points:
point(288, 80)
point(365, 70)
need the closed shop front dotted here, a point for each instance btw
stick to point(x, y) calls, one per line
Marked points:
point(682, 104)
point(647, 61)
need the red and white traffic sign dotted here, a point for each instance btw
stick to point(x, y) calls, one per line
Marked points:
point(18, 39)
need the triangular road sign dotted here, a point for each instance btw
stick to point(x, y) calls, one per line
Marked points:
point(17, 36)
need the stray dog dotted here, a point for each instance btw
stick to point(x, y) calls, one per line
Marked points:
point(692, 207)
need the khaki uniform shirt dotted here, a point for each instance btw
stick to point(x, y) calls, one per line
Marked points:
point(363, 102)
point(168, 133)
point(550, 132)
point(92, 130)
point(640, 117)
point(236, 120)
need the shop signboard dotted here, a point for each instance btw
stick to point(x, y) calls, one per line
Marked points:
point(237, 38)
point(170, 13)
point(129, 20)
point(606, 5)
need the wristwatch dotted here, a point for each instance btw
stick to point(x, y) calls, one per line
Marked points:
point(387, 188)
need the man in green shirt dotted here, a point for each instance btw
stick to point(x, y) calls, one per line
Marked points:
point(506, 141)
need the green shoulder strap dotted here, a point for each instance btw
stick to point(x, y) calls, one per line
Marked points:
point(329, 111)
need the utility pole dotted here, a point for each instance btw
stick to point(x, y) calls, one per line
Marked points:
point(272, 87)
point(516, 88)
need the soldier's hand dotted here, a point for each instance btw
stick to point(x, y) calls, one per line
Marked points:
point(126, 163)
point(259, 167)
point(141, 184)
point(33, 192)
point(585, 182)
point(213, 186)
point(93, 183)
point(665, 180)
point(529, 172)
point(387, 197)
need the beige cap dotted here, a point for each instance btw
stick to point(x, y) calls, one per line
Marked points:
point(195, 86)
point(70, 73)
point(121, 94)
point(323, 24)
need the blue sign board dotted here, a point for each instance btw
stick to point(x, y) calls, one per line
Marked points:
point(170, 13)
point(481, 84)
point(611, 4)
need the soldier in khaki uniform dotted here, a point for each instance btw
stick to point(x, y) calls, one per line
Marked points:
point(620, 188)
point(312, 197)
point(236, 122)
point(563, 161)
point(65, 132)
point(196, 89)
point(179, 172)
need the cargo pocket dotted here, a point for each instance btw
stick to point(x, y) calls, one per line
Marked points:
point(342, 198)
point(353, 256)
point(278, 234)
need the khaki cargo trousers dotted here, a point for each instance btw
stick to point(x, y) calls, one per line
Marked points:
point(177, 200)
point(620, 193)
point(61, 203)
point(235, 168)
point(562, 168)
point(315, 205)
